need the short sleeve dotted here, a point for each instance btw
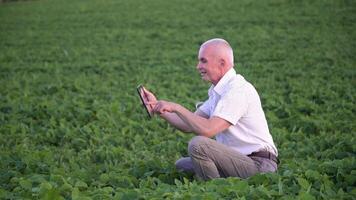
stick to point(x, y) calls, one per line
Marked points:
point(205, 107)
point(231, 106)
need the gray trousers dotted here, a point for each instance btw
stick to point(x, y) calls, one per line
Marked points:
point(209, 159)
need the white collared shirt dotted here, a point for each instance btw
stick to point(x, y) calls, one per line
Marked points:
point(237, 101)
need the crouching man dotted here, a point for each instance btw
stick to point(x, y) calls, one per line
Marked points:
point(243, 145)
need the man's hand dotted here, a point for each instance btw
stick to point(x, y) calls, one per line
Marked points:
point(161, 107)
point(164, 109)
point(149, 99)
point(154, 106)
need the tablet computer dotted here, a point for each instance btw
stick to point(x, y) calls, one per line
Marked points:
point(142, 96)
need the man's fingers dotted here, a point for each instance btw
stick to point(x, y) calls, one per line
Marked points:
point(149, 95)
point(143, 95)
point(163, 110)
point(159, 107)
point(151, 103)
point(154, 105)
point(146, 91)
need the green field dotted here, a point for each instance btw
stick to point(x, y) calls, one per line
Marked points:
point(72, 127)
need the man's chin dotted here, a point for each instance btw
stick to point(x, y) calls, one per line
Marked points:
point(204, 78)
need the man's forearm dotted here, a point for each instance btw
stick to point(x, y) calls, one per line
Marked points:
point(196, 124)
point(177, 122)
point(187, 121)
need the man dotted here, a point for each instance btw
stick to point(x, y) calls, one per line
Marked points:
point(233, 115)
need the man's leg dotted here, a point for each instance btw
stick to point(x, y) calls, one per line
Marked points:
point(185, 164)
point(213, 160)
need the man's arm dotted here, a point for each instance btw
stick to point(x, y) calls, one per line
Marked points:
point(200, 125)
point(197, 124)
point(171, 118)
point(177, 122)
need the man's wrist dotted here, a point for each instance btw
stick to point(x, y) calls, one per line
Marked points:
point(176, 108)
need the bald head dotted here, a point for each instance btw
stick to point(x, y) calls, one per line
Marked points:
point(215, 59)
point(220, 49)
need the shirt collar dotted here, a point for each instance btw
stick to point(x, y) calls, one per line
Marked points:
point(220, 87)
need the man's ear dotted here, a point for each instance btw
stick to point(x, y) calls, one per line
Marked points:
point(222, 63)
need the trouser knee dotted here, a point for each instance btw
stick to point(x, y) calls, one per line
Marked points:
point(196, 143)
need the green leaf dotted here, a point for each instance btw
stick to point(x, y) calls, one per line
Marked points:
point(75, 194)
point(305, 196)
point(108, 190)
point(37, 178)
point(44, 187)
point(81, 185)
point(265, 191)
point(26, 184)
point(52, 194)
point(3, 193)
point(66, 188)
point(312, 174)
point(57, 179)
point(104, 178)
point(350, 179)
point(303, 183)
point(130, 195)
point(241, 187)
point(185, 181)
point(353, 191)
point(177, 182)
point(280, 186)
point(167, 195)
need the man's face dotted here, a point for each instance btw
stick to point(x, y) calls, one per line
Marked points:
point(208, 65)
